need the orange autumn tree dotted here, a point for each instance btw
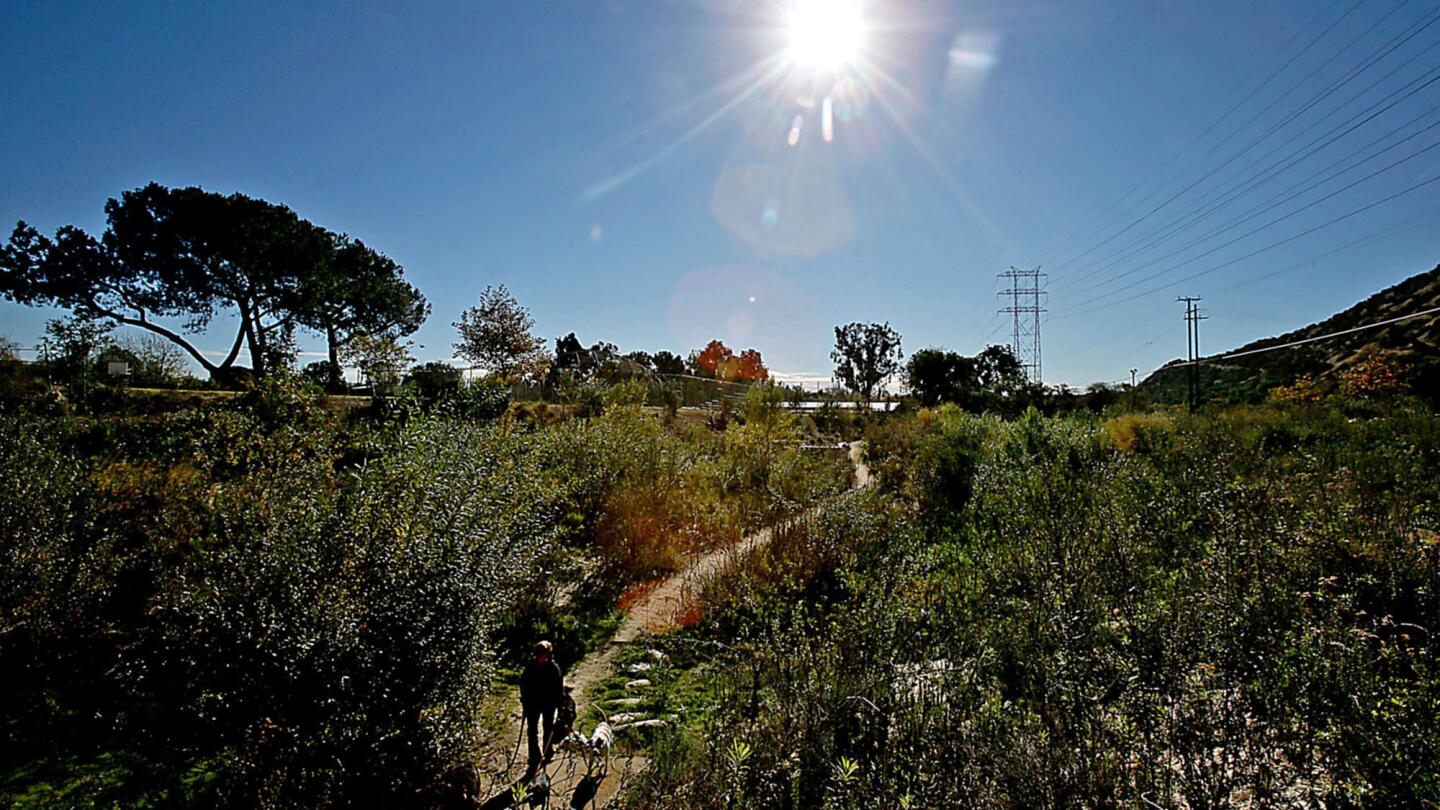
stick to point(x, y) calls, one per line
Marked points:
point(1375, 375)
point(752, 367)
point(719, 361)
point(706, 362)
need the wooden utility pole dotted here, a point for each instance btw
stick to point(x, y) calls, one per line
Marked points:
point(1192, 348)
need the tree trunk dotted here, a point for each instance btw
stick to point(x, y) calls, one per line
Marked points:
point(254, 339)
point(234, 349)
point(218, 371)
point(333, 341)
point(174, 337)
point(209, 367)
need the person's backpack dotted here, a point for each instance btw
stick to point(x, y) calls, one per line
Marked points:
point(565, 715)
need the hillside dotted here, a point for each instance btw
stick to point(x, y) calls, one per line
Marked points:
point(1416, 341)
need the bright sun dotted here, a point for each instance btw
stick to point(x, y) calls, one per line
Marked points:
point(825, 35)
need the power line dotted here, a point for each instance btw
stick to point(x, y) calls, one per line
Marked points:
point(1354, 72)
point(1258, 251)
point(997, 328)
point(976, 326)
point(1227, 114)
point(1178, 224)
point(1248, 146)
point(1074, 237)
point(1233, 193)
point(995, 319)
point(1303, 341)
point(1286, 163)
point(1272, 222)
point(1286, 195)
point(1405, 225)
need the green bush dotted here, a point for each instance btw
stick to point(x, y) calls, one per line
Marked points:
point(264, 602)
point(1237, 609)
point(930, 459)
point(434, 382)
point(482, 399)
point(323, 640)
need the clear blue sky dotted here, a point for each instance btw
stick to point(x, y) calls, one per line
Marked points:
point(625, 166)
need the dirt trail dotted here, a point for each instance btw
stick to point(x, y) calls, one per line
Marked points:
point(656, 612)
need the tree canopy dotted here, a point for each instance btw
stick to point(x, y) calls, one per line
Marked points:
point(190, 255)
point(381, 359)
point(936, 375)
point(361, 293)
point(575, 364)
point(865, 355)
point(498, 334)
point(1000, 371)
point(720, 361)
point(668, 363)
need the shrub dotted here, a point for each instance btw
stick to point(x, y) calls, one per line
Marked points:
point(1304, 391)
point(1138, 432)
point(1374, 375)
point(318, 640)
point(1236, 609)
point(264, 602)
point(930, 459)
point(482, 399)
point(668, 395)
point(434, 382)
point(625, 394)
point(649, 496)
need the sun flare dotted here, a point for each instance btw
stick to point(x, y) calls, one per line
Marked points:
point(825, 35)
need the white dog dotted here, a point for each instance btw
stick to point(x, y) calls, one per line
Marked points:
point(595, 749)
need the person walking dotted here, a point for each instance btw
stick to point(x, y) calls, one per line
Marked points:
point(542, 690)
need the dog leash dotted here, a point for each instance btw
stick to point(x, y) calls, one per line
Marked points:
point(515, 756)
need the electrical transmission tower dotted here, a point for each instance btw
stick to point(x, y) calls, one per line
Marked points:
point(1192, 347)
point(1024, 294)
